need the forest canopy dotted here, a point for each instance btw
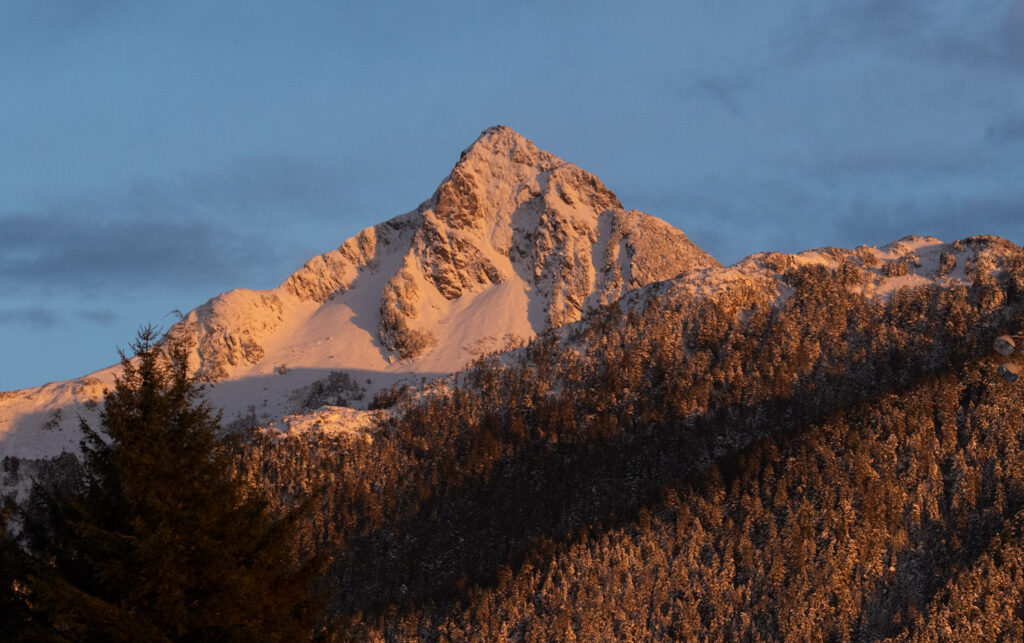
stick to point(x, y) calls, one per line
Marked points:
point(733, 466)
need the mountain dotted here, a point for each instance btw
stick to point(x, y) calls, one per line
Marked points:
point(514, 241)
point(795, 447)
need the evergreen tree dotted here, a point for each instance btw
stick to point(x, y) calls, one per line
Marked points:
point(156, 538)
point(14, 611)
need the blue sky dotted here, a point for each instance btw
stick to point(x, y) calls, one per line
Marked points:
point(155, 154)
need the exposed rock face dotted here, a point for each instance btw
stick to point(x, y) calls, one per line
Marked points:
point(225, 331)
point(335, 271)
point(507, 211)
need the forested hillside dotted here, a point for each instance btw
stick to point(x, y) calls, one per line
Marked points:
point(735, 466)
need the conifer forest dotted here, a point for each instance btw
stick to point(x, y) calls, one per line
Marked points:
point(728, 468)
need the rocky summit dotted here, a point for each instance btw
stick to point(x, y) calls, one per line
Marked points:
point(514, 237)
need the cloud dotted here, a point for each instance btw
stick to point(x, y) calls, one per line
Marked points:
point(732, 218)
point(725, 90)
point(931, 159)
point(263, 187)
point(32, 316)
point(250, 190)
point(99, 316)
point(32, 23)
point(1007, 130)
point(998, 46)
point(828, 29)
point(972, 36)
point(48, 317)
point(58, 250)
point(948, 219)
point(249, 220)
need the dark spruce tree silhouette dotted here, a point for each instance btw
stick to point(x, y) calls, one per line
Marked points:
point(154, 537)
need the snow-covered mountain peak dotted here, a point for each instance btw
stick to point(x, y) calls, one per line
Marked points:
point(501, 169)
point(499, 145)
point(500, 141)
point(513, 241)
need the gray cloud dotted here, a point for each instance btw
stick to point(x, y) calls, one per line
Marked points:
point(22, 22)
point(60, 251)
point(982, 36)
point(932, 159)
point(1007, 130)
point(264, 186)
point(725, 90)
point(832, 28)
point(1000, 46)
point(226, 226)
point(32, 316)
point(732, 219)
point(793, 215)
point(948, 219)
point(100, 316)
point(256, 189)
point(46, 317)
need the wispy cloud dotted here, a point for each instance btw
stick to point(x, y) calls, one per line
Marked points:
point(728, 91)
point(1007, 130)
point(99, 316)
point(227, 224)
point(948, 218)
point(734, 218)
point(61, 14)
point(50, 317)
point(250, 190)
point(895, 160)
point(32, 316)
point(796, 214)
point(264, 187)
point(997, 45)
point(977, 36)
point(60, 251)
